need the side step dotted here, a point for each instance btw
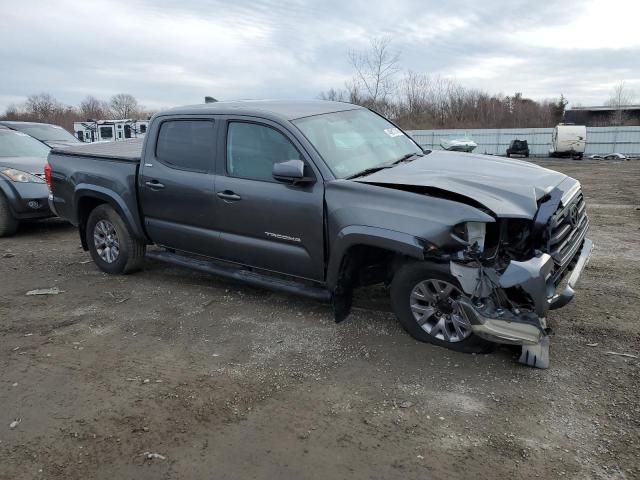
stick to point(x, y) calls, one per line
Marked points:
point(245, 276)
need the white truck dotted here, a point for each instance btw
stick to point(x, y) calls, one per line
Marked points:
point(568, 140)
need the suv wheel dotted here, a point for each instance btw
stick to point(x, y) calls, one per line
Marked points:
point(425, 298)
point(112, 247)
point(8, 224)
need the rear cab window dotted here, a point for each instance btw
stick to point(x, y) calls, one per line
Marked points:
point(187, 144)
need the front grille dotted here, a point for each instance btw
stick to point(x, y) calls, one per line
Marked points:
point(566, 231)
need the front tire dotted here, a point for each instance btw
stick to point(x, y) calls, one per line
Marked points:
point(425, 300)
point(8, 223)
point(112, 247)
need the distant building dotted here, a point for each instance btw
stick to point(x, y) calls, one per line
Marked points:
point(603, 116)
point(110, 130)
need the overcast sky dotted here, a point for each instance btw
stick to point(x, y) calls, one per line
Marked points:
point(172, 52)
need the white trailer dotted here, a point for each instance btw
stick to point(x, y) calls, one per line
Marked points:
point(568, 141)
point(110, 130)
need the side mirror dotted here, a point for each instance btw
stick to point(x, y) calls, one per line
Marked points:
point(291, 171)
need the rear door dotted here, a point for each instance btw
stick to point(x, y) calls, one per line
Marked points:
point(265, 223)
point(177, 183)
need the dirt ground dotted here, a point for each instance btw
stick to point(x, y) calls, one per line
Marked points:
point(230, 382)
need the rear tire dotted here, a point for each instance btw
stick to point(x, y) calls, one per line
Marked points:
point(111, 244)
point(8, 223)
point(444, 322)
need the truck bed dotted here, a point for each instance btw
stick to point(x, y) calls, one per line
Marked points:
point(127, 150)
point(107, 172)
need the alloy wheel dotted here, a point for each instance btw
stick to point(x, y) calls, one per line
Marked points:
point(105, 239)
point(436, 307)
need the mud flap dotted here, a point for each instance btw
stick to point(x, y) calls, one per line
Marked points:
point(342, 302)
point(536, 355)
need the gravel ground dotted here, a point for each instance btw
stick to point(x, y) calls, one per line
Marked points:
point(224, 381)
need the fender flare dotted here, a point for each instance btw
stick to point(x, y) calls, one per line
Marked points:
point(112, 198)
point(8, 191)
point(353, 235)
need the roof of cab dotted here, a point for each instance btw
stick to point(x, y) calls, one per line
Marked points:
point(286, 109)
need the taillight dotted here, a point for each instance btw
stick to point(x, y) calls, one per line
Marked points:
point(47, 175)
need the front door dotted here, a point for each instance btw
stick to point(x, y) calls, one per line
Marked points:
point(177, 186)
point(264, 223)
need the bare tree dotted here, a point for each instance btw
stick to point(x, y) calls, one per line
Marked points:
point(621, 96)
point(93, 108)
point(333, 95)
point(414, 90)
point(124, 105)
point(12, 112)
point(42, 107)
point(375, 70)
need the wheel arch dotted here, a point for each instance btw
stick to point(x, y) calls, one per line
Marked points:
point(87, 198)
point(362, 256)
point(357, 238)
point(8, 192)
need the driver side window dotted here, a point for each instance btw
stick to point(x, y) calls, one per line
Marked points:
point(252, 150)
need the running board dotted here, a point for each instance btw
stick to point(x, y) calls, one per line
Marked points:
point(245, 276)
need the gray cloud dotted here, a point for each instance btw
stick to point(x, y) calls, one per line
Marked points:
point(168, 52)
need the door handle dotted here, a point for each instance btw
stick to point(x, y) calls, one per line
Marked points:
point(229, 196)
point(154, 185)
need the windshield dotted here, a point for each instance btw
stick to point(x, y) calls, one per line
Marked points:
point(18, 144)
point(47, 133)
point(355, 140)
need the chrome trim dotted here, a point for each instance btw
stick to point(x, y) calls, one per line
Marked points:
point(561, 299)
point(570, 194)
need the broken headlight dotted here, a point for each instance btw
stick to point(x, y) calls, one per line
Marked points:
point(471, 234)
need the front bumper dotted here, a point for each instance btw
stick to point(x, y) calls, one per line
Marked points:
point(559, 300)
point(518, 327)
point(28, 200)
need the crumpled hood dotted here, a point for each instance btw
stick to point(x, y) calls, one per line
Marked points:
point(509, 188)
point(33, 165)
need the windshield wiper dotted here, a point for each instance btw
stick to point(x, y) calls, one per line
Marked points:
point(408, 156)
point(369, 171)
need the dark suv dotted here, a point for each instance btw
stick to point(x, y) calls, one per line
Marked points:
point(23, 191)
point(518, 147)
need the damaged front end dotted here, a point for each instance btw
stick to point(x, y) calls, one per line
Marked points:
point(514, 271)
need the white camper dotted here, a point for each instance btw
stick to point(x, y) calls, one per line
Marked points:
point(568, 140)
point(110, 130)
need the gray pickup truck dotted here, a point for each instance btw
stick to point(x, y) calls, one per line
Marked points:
point(318, 198)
